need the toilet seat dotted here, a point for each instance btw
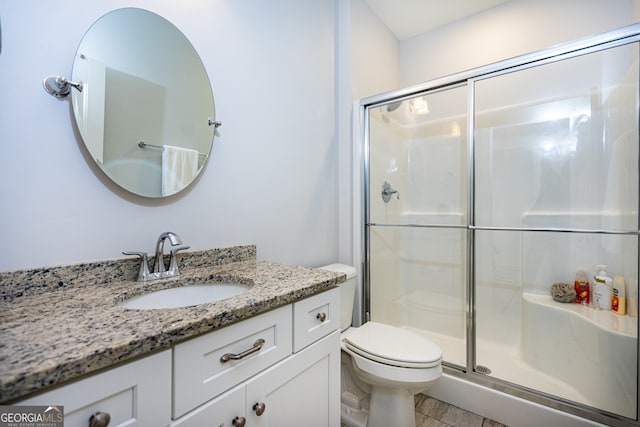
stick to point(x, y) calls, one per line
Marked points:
point(393, 346)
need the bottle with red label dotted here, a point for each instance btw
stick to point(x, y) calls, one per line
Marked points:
point(581, 286)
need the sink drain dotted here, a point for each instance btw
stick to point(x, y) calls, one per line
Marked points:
point(483, 370)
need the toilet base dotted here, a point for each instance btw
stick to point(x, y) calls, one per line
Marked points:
point(354, 396)
point(391, 407)
point(352, 414)
point(380, 406)
point(396, 409)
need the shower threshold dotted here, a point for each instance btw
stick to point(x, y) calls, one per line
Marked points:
point(503, 362)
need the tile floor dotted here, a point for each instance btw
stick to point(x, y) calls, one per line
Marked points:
point(431, 412)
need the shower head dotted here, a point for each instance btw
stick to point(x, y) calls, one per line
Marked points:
point(393, 106)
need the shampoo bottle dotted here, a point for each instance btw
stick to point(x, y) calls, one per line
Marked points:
point(602, 289)
point(618, 296)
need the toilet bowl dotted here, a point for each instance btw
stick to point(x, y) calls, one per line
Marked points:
point(383, 366)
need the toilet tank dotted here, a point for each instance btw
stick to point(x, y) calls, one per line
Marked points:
point(347, 292)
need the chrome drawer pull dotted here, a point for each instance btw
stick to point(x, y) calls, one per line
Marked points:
point(321, 317)
point(259, 408)
point(230, 356)
point(99, 419)
point(238, 422)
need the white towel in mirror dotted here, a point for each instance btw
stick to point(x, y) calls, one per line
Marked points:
point(179, 168)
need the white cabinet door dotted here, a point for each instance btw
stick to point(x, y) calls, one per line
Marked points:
point(303, 390)
point(226, 410)
point(135, 394)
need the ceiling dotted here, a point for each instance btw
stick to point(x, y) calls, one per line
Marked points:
point(408, 18)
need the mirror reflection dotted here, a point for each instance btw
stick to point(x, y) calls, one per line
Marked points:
point(146, 111)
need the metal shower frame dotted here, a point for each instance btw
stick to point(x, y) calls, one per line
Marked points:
point(625, 35)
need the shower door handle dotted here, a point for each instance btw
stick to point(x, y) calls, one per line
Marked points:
point(387, 192)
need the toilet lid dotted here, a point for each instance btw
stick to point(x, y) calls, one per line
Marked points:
point(393, 345)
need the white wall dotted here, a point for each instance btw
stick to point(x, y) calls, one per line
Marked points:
point(272, 176)
point(510, 29)
point(375, 54)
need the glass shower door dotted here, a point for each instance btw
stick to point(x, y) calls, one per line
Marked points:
point(556, 191)
point(417, 216)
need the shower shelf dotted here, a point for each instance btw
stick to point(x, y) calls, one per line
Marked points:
point(607, 320)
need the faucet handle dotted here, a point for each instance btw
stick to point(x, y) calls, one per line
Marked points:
point(387, 191)
point(143, 271)
point(173, 264)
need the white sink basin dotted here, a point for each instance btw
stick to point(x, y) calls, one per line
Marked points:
point(185, 296)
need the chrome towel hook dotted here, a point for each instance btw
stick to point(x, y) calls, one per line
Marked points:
point(59, 86)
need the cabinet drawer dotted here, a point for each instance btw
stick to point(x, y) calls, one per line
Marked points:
point(315, 317)
point(135, 394)
point(199, 372)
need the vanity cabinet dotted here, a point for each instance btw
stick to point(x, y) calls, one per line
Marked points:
point(278, 368)
point(135, 394)
point(301, 388)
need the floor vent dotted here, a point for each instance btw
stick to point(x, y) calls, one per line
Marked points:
point(483, 370)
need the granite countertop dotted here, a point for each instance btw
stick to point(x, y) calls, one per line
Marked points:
point(59, 324)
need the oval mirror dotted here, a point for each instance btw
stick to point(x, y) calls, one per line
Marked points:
point(145, 112)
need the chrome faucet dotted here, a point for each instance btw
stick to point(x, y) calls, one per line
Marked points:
point(158, 262)
point(159, 270)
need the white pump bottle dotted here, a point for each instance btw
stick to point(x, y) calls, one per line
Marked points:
point(602, 289)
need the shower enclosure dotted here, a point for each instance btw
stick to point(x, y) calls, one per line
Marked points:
point(485, 188)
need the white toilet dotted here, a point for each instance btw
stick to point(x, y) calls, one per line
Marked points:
point(383, 366)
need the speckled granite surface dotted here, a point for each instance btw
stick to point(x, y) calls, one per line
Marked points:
point(57, 324)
